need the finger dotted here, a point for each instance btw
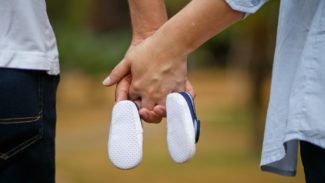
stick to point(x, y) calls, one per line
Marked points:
point(117, 73)
point(189, 88)
point(147, 103)
point(160, 110)
point(150, 116)
point(122, 88)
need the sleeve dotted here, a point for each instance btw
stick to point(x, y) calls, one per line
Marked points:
point(246, 6)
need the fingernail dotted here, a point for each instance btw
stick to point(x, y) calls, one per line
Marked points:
point(107, 81)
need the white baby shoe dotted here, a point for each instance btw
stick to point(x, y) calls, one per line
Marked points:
point(125, 136)
point(183, 127)
point(126, 132)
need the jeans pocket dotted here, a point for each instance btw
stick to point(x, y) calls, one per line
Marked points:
point(20, 110)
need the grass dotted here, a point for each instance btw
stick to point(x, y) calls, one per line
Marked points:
point(224, 153)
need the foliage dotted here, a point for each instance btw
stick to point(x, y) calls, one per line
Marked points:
point(91, 52)
point(85, 47)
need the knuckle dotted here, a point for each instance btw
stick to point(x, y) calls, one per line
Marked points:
point(150, 91)
point(135, 86)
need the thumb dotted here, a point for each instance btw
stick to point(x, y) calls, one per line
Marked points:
point(117, 73)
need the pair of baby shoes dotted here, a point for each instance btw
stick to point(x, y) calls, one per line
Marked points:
point(126, 132)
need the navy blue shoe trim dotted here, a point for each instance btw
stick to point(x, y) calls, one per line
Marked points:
point(197, 132)
point(189, 99)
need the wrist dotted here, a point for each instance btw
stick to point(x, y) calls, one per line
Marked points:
point(174, 42)
point(138, 37)
point(167, 49)
point(147, 16)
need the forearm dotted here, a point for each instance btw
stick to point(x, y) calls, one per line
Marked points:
point(146, 16)
point(195, 24)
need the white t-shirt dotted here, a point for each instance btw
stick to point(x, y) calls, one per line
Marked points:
point(27, 40)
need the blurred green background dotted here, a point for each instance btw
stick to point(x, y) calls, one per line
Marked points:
point(231, 76)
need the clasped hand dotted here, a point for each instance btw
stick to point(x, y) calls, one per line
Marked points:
point(147, 74)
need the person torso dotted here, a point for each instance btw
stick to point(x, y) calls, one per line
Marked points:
point(26, 37)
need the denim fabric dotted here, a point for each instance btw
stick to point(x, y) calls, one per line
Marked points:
point(27, 126)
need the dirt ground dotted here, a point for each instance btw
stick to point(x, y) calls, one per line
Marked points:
point(224, 154)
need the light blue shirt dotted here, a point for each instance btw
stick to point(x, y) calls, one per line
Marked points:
point(297, 99)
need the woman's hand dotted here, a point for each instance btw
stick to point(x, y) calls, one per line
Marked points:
point(151, 74)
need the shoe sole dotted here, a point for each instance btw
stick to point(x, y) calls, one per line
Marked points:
point(180, 129)
point(125, 136)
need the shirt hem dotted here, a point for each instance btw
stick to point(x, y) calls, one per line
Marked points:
point(25, 60)
point(278, 171)
point(279, 153)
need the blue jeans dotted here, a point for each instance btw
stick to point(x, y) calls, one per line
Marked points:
point(27, 126)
